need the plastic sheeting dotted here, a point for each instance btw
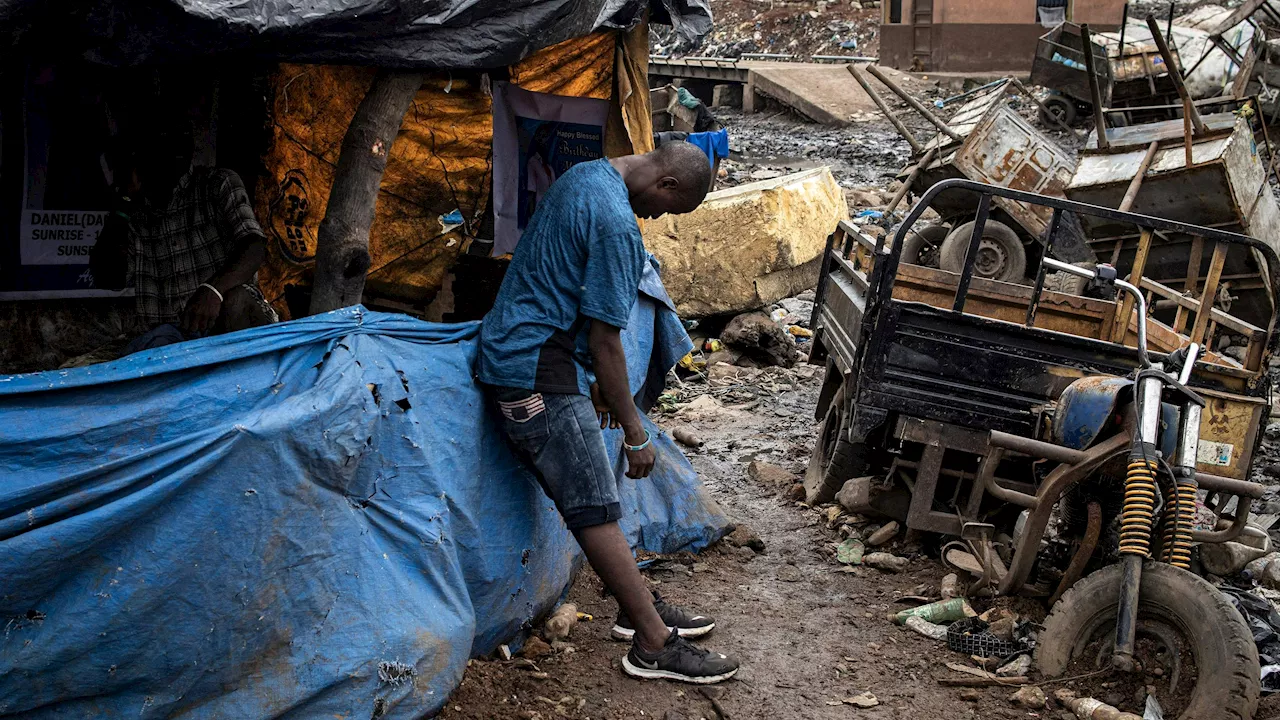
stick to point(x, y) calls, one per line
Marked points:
point(423, 34)
point(312, 519)
point(439, 163)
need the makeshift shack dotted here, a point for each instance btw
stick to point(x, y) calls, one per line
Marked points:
point(314, 518)
point(274, 108)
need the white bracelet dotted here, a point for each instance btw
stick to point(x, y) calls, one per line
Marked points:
point(214, 289)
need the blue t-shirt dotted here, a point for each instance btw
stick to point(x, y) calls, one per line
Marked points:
point(579, 259)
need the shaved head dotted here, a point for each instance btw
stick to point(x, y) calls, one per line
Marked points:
point(672, 179)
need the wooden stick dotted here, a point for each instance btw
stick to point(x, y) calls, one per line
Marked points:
point(1188, 141)
point(1095, 92)
point(1175, 75)
point(906, 184)
point(1135, 277)
point(1132, 193)
point(983, 682)
point(897, 124)
point(1210, 291)
point(919, 107)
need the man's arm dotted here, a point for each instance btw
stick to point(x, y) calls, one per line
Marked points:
point(204, 306)
point(611, 374)
point(236, 223)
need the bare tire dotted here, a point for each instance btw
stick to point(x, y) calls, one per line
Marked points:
point(922, 247)
point(1066, 282)
point(1217, 637)
point(834, 459)
point(1058, 107)
point(1000, 252)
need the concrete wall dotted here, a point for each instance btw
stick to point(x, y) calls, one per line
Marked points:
point(984, 35)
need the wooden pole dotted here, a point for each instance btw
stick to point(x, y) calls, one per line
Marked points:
point(1210, 293)
point(897, 124)
point(1175, 75)
point(1095, 92)
point(906, 184)
point(919, 107)
point(342, 243)
point(1132, 193)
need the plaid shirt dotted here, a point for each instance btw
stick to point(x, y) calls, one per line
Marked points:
point(174, 250)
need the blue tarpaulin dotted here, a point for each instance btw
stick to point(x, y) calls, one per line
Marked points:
point(312, 519)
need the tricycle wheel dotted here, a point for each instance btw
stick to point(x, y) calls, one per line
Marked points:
point(1175, 608)
point(834, 459)
point(1000, 252)
point(922, 246)
point(1058, 108)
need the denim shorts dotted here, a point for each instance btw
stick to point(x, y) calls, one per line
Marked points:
point(558, 437)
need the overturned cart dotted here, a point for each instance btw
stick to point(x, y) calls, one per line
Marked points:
point(1020, 422)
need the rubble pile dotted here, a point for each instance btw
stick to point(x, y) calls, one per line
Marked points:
point(803, 29)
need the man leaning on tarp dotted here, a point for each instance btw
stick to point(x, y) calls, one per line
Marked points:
point(566, 296)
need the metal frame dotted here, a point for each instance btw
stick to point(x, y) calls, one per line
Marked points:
point(868, 270)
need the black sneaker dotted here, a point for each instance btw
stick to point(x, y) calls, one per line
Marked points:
point(679, 660)
point(676, 618)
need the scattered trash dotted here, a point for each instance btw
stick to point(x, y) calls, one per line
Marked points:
point(451, 220)
point(886, 562)
point(850, 552)
point(1264, 622)
point(1228, 558)
point(943, 611)
point(1091, 709)
point(712, 345)
point(1029, 697)
point(504, 652)
point(979, 678)
point(686, 437)
point(798, 331)
point(873, 214)
point(862, 700)
point(1152, 710)
point(884, 534)
point(950, 587)
point(778, 315)
point(561, 622)
point(926, 628)
point(1015, 667)
point(971, 636)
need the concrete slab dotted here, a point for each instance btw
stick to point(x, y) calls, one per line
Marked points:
point(823, 93)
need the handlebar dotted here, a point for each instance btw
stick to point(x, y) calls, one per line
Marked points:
point(1139, 302)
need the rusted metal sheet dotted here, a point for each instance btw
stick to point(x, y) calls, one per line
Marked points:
point(1227, 428)
point(1004, 149)
point(1226, 187)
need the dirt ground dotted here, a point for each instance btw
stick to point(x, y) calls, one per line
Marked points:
point(808, 634)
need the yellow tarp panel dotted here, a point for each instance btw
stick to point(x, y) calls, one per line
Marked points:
point(440, 160)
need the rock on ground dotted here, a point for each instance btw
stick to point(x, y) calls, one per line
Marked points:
point(761, 339)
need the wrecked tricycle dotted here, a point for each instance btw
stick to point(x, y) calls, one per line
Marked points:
point(1073, 447)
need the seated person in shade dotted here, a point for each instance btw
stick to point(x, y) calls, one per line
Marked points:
point(186, 239)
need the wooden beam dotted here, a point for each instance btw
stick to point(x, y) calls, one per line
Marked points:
point(897, 124)
point(1210, 292)
point(1095, 92)
point(1135, 277)
point(1132, 193)
point(925, 112)
point(1175, 75)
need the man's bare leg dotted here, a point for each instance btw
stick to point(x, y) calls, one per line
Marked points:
point(610, 556)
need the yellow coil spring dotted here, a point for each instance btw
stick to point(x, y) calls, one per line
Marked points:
point(1138, 517)
point(1180, 554)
